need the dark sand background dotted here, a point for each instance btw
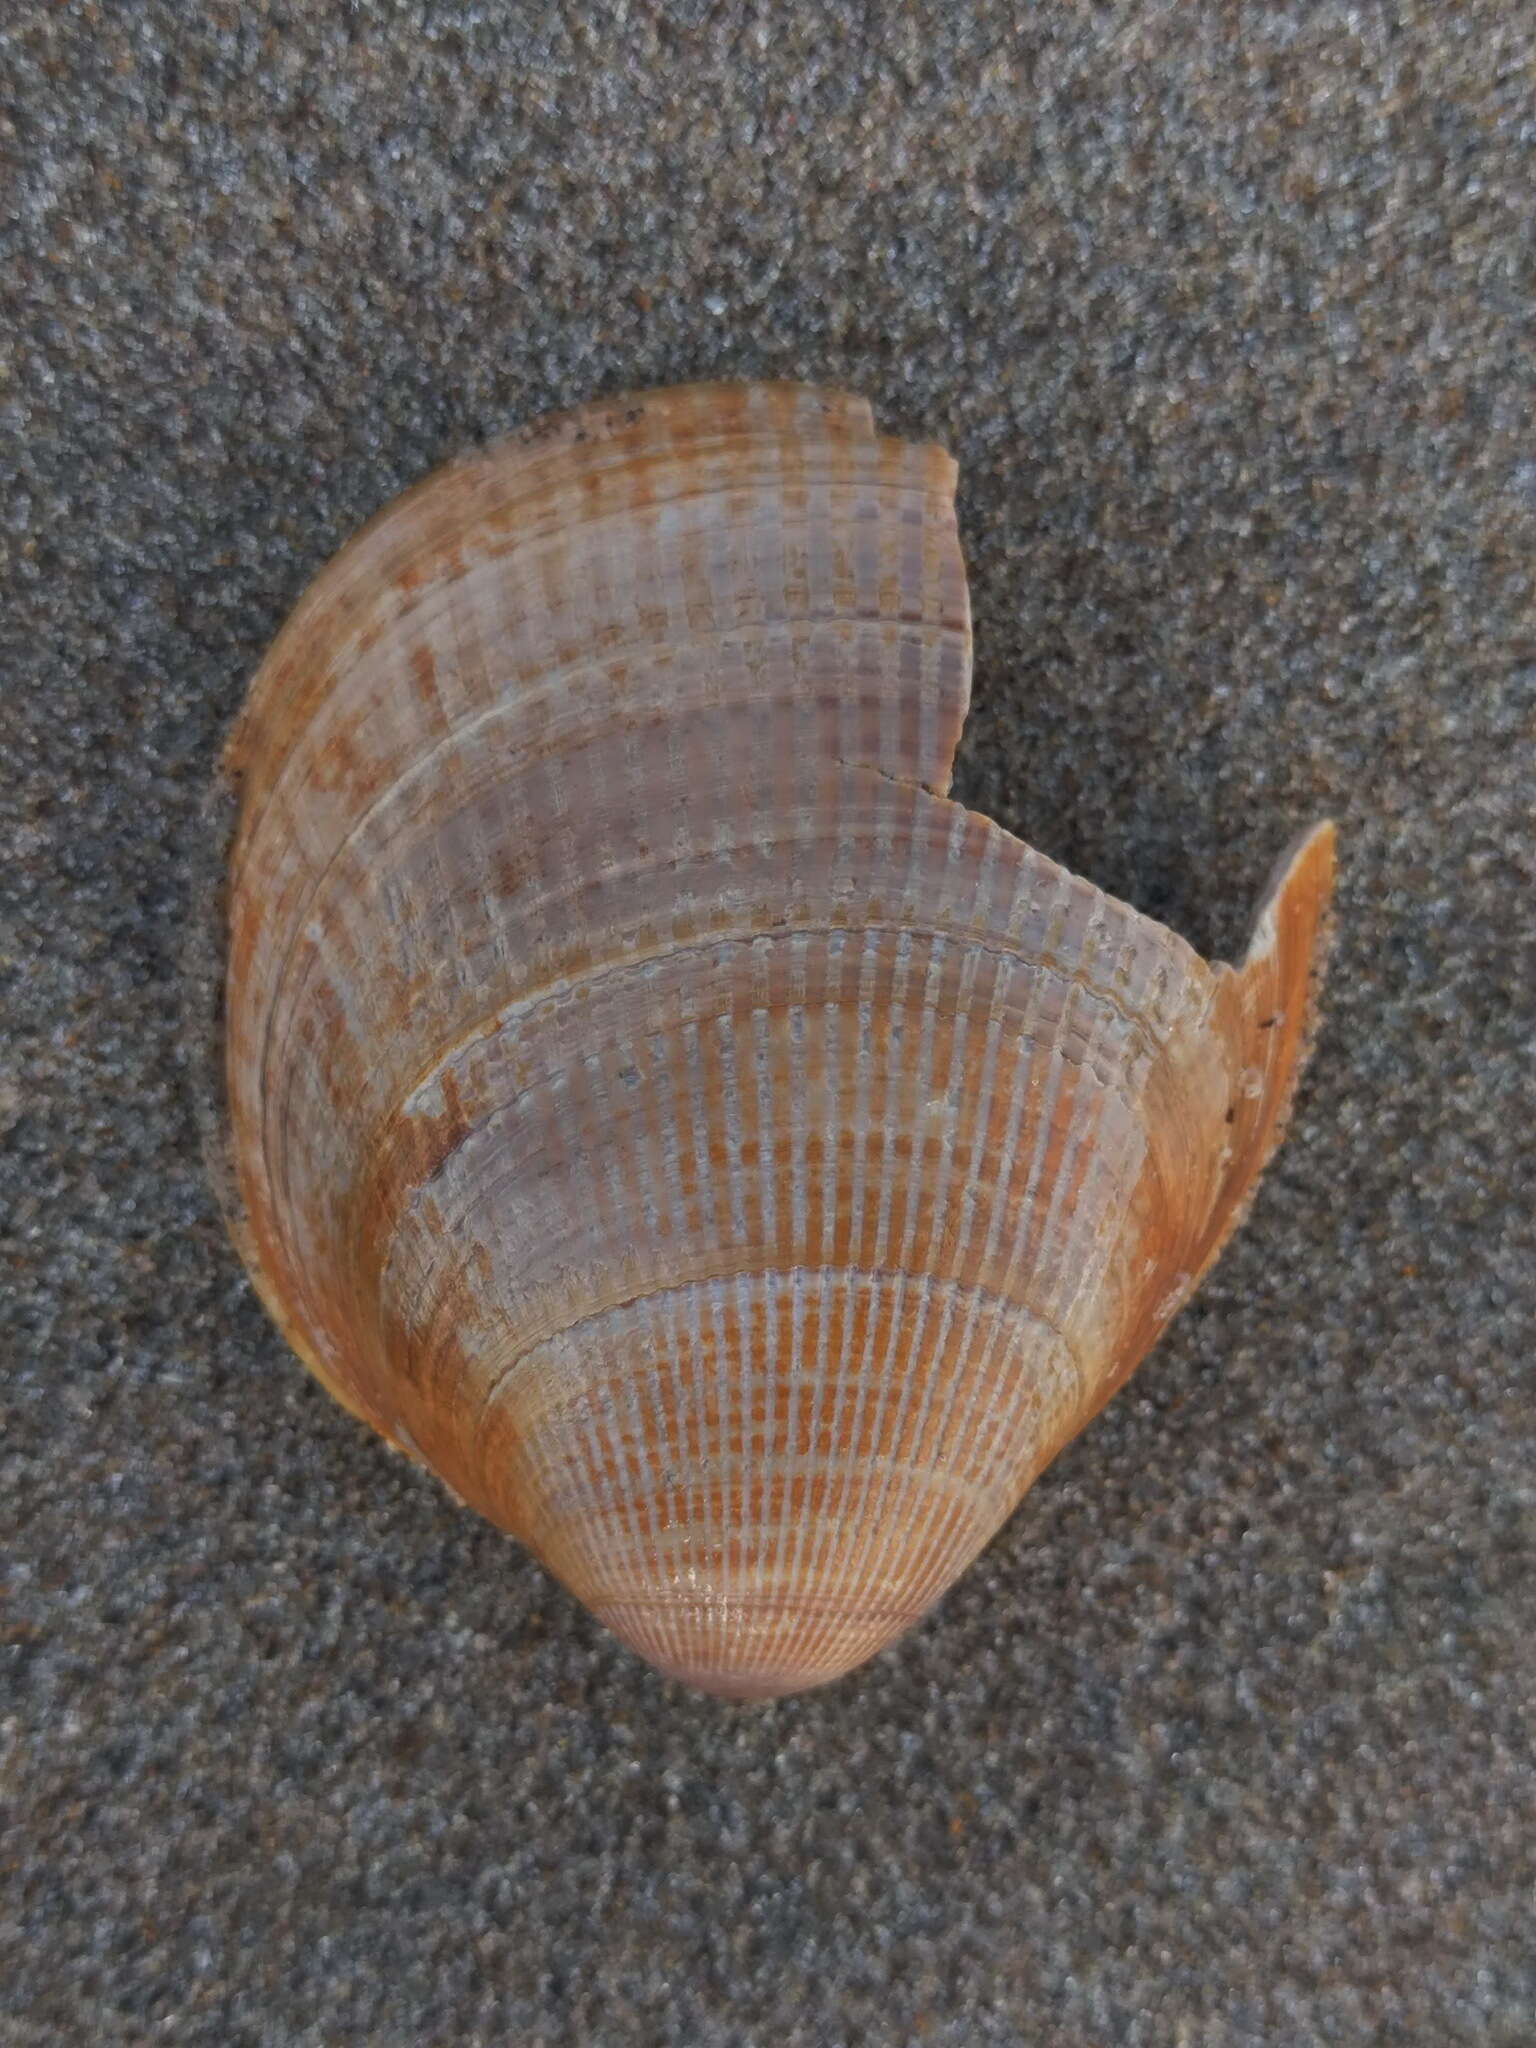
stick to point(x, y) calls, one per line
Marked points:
point(1226, 311)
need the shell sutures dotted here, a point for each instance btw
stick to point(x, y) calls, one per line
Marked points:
point(733, 1167)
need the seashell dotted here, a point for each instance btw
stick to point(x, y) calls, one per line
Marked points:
point(733, 1167)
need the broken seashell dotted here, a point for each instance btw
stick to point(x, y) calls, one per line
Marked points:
point(733, 1167)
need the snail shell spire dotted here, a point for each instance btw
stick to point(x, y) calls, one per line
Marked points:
point(733, 1167)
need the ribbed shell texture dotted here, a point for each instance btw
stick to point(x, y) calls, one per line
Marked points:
point(734, 1167)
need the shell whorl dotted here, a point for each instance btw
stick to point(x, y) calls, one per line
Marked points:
point(735, 1168)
